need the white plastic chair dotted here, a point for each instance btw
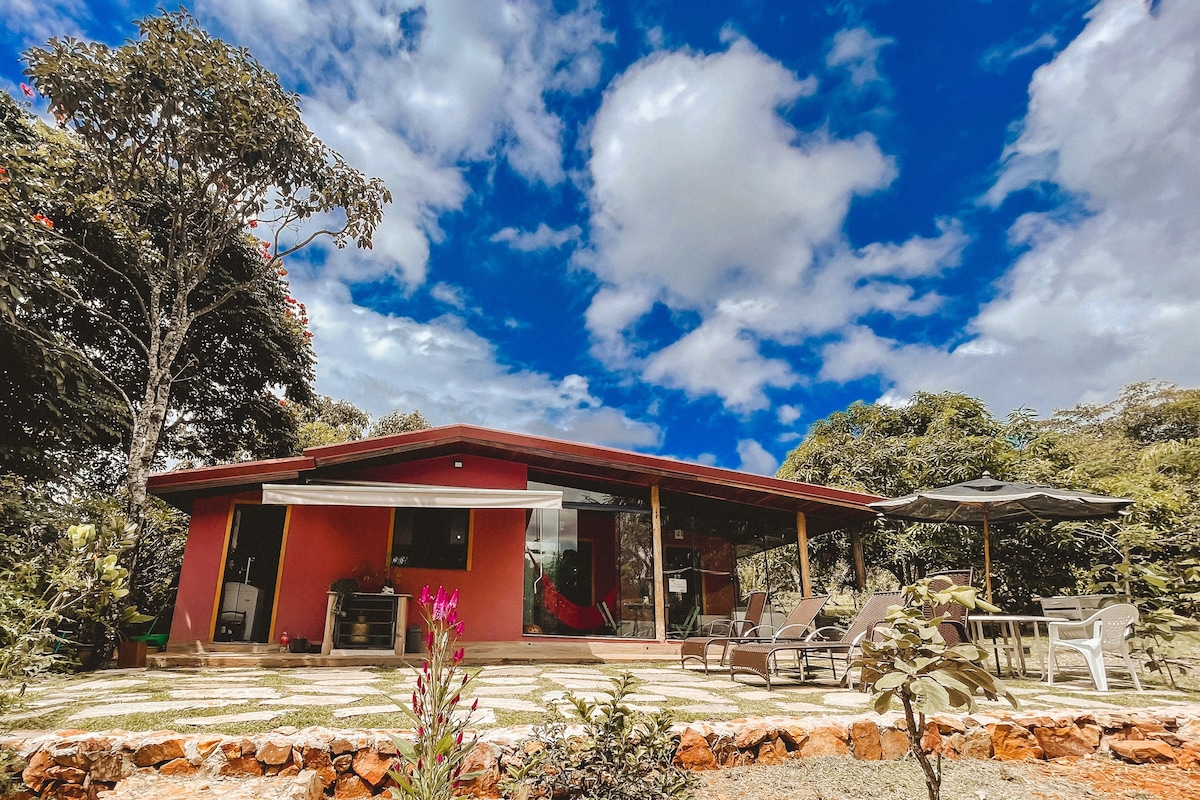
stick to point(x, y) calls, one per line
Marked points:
point(1103, 632)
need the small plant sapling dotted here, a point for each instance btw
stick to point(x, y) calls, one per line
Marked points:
point(909, 660)
point(432, 762)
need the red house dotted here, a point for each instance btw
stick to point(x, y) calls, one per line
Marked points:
point(559, 549)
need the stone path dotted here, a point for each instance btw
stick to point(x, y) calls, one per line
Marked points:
point(249, 700)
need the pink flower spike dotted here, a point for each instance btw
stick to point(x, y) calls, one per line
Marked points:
point(452, 617)
point(458, 655)
point(429, 641)
point(475, 704)
point(453, 600)
point(425, 596)
point(439, 604)
point(458, 629)
point(28, 92)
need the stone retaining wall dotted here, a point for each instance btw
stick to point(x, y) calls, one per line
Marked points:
point(351, 764)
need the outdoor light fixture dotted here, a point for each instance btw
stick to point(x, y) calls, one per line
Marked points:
point(458, 465)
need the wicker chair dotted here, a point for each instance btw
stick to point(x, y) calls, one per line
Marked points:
point(795, 627)
point(695, 648)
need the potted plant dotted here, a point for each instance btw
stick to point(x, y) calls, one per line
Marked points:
point(343, 588)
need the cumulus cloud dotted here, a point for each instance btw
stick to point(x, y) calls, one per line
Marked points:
point(543, 238)
point(997, 58)
point(755, 458)
point(706, 201)
point(450, 374)
point(857, 51)
point(1103, 296)
point(35, 22)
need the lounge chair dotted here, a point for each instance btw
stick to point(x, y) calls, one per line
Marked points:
point(954, 617)
point(695, 648)
point(760, 658)
point(796, 626)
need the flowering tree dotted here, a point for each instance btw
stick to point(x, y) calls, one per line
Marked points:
point(187, 148)
point(433, 762)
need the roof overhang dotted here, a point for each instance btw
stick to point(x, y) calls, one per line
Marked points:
point(399, 495)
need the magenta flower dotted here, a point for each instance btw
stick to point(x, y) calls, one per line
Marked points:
point(439, 604)
point(458, 628)
point(425, 596)
point(28, 92)
point(458, 655)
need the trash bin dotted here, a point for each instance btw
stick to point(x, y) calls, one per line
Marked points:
point(414, 641)
point(298, 645)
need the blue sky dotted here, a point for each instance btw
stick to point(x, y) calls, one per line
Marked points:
point(693, 228)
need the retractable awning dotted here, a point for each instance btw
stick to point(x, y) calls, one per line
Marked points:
point(403, 495)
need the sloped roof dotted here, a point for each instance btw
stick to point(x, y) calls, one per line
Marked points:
point(551, 460)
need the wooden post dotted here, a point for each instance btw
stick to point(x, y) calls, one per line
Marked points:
point(802, 549)
point(987, 559)
point(860, 564)
point(660, 595)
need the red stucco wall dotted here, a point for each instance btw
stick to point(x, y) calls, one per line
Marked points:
point(324, 543)
point(202, 557)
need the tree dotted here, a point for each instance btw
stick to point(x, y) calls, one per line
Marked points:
point(324, 420)
point(934, 440)
point(186, 146)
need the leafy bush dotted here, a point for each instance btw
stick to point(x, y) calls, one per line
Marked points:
point(619, 754)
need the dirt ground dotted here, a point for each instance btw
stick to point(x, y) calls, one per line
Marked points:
point(841, 779)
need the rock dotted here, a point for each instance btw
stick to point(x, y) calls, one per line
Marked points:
point(343, 763)
point(307, 785)
point(1066, 741)
point(931, 738)
point(275, 752)
point(864, 739)
point(177, 766)
point(153, 753)
point(826, 740)
point(243, 765)
point(341, 745)
point(34, 775)
point(772, 752)
point(66, 774)
point(111, 767)
point(1189, 731)
point(207, 745)
point(1143, 751)
point(371, 767)
point(751, 737)
point(318, 761)
point(350, 786)
point(1013, 743)
point(947, 723)
point(893, 744)
point(484, 760)
point(975, 743)
point(694, 752)
point(794, 735)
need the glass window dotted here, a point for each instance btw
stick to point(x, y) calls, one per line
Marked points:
point(431, 538)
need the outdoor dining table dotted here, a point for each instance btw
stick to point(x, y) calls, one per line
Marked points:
point(1001, 633)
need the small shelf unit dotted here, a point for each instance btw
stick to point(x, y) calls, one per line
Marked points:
point(373, 621)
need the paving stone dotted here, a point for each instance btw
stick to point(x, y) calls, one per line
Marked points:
point(714, 708)
point(1075, 702)
point(802, 708)
point(668, 676)
point(335, 690)
point(502, 680)
point(585, 685)
point(311, 700)
point(846, 699)
point(102, 685)
point(509, 704)
point(228, 693)
point(41, 712)
point(687, 693)
point(248, 716)
point(755, 695)
point(513, 671)
point(360, 711)
point(645, 698)
point(121, 709)
point(562, 675)
point(501, 691)
point(561, 697)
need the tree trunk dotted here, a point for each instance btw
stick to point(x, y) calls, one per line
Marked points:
point(933, 777)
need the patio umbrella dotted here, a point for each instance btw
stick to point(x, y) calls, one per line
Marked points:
point(987, 500)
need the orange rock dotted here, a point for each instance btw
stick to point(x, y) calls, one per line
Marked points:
point(694, 752)
point(1013, 743)
point(893, 744)
point(864, 737)
point(207, 744)
point(371, 767)
point(245, 765)
point(1143, 751)
point(751, 737)
point(153, 753)
point(825, 741)
point(1066, 741)
point(931, 738)
point(350, 786)
point(772, 752)
point(178, 766)
point(275, 752)
point(484, 761)
point(34, 775)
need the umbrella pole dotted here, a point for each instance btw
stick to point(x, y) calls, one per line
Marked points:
point(987, 558)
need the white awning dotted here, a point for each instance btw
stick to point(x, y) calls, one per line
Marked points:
point(404, 495)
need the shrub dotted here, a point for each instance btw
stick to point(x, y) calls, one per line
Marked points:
point(619, 754)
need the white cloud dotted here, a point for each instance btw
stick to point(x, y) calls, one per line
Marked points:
point(35, 22)
point(450, 295)
point(788, 414)
point(999, 57)
point(858, 51)
point(755, 458)
point(704, 199)
point(543, 238)
point(450, 374)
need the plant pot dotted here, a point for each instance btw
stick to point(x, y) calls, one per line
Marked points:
point(131, 654)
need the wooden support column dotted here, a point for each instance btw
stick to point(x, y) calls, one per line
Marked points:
point(860, 564)
point(802, 549)
point(660, 594)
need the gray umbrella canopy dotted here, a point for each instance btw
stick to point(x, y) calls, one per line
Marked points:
point(987, 500)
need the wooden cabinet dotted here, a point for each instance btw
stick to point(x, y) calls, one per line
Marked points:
point(371, 622)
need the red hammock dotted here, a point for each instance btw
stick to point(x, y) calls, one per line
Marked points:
point(573, 615)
